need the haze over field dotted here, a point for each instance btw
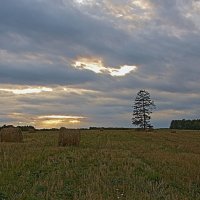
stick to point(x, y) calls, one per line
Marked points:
point(79, 63)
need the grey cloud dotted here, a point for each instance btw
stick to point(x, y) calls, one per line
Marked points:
point(165, 51)
point(171, 16)
point(43, 75)
point(50, 26)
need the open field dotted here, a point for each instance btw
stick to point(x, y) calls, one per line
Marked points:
point(107, 165)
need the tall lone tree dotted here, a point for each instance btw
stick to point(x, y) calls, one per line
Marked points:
point(142, 109)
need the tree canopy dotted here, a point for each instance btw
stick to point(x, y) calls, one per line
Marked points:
point(185, 124)
point(142, 109)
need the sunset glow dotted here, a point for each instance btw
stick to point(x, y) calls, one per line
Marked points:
point(75, 121)
point(52, 122)
point(58, 120)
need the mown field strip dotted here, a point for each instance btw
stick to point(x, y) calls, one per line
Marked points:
point(111, 164)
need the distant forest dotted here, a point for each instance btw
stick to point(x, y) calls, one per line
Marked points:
point(185, 124)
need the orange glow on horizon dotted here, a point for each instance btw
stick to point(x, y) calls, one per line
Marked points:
point(57, 121)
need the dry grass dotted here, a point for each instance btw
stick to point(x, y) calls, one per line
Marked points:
point(108, 165)
point(69, 137)
point(11, 134)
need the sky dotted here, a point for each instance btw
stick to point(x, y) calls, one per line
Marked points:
point(80, 63)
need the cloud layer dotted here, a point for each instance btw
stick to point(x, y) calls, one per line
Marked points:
point(89, 58)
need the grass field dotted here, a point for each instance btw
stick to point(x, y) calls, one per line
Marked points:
point(107, 165)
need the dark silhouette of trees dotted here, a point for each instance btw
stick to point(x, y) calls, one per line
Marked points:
point(185, 124)
point(142, 109)
point(27, 128)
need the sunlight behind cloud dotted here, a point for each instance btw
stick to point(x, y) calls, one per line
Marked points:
point(124, 14)
point(92, 64)
point(50, 121)
point(97, 66)
point(122, 71)
point(129, 10)
point(46, 121)
point(60, 117)
point(75, 121)
point(84, 2)
point(27, 90)
point(142, 4)
point(59, 122)
point(79, 91)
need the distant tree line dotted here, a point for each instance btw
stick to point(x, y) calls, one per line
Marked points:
point(27, 128)
point(185, 124)
point(23, 128)
point(6, 126)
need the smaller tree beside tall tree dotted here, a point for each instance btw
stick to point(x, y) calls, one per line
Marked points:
point(142, 109)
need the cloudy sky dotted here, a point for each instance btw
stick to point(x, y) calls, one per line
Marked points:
point(80, 63)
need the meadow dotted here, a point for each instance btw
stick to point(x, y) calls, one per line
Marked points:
point(108, 165)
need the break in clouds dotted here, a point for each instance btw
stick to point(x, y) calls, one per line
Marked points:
point(80, 63)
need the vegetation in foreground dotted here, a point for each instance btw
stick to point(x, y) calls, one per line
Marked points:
point(110, 164)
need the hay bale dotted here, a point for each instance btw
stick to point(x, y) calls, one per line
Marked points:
point(68, 137)
point(11, 134)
